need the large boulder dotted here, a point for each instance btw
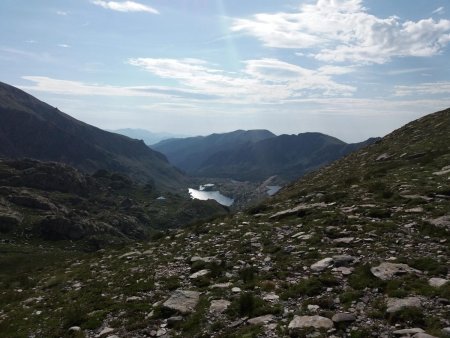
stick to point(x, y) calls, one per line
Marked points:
point(183, 301)
point(9, 220)
point(387, 271)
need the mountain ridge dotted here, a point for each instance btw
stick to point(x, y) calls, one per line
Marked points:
point(145, 135)
point(287, 156)
point(188, 153)
point(32, 128)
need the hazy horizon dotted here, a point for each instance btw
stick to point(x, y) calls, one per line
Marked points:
point(351, 69)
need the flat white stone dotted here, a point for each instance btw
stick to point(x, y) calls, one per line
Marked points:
point(261, 320)
point(437, 282)
point(322, 264)
point(183, 301)
point(317, 322)
point(219, 305)
point(198, 274)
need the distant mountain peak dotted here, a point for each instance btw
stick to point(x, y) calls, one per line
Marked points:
point(254, 155)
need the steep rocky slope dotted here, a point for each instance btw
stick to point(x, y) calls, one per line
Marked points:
point(31, 128)
point(357, 249)
point(53, 201)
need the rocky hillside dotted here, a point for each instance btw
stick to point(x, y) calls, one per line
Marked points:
point(52, 201)
point(33, 129)
point(255, 155)
point(357, 249)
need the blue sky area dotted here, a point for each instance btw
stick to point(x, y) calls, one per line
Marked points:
point(349, 68)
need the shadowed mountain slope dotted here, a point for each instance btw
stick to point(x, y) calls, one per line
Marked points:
point(287, 156)
point(31, 128)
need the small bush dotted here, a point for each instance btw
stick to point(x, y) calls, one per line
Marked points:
point(348, 297)
point(360, 334)
point(411, 316)
point(74, 316)
point(247, 304)
point(363, 278)
point(429, 264)
point(378, 213)
point(310, 287)
point(197, 266)
point(172, 283)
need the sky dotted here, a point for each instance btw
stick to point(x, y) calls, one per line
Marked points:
point(352, 69)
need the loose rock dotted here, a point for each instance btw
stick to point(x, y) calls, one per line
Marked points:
point(183, 301)
point(317, 322)
point(322, 264)
point(387, 271)
point(219, 305)
point(437, 282)
point(343, 317)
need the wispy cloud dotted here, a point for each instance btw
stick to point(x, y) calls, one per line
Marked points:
point(62, 13)
point(63, 45)
point(429, 88)
point(440, 11)
point(125, 6)
point(262, 81)
point(407, 71)
point(17, 54)
point(78, 88)
point(344, 31)
point(259, 81)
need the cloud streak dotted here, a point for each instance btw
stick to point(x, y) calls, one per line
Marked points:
point(440, 11)
point(428, 88)
point(77, 88)
point(344, 31)
point(125, 6)
point(259, 81)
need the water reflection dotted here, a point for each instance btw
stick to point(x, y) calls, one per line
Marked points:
point(210, 195)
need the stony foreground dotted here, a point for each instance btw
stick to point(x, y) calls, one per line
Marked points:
point(358, 249)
